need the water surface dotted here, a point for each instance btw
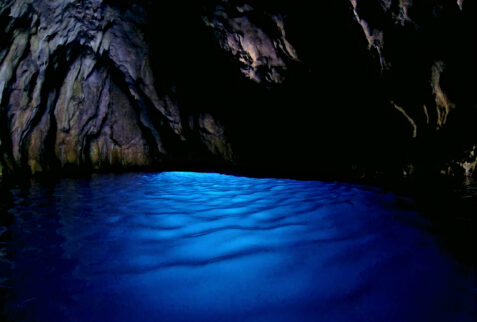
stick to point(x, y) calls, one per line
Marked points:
point(182, 246)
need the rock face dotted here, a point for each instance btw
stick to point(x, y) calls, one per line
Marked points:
point(77, 89)
point(426, 59)
point(361, 88)
point(263, 55)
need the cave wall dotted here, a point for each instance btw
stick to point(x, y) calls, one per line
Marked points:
point(77, 90)
point(426, 52)
point(354, 89)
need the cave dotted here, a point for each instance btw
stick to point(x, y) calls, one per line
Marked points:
point(238, 160)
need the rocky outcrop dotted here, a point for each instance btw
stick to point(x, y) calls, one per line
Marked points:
point(77, 88)
point(263, 54)
point(360, 88)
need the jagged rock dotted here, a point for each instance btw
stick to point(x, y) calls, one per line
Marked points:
point(263, 55)
point(373, 36)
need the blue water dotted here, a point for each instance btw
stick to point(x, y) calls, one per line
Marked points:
point(182, 246)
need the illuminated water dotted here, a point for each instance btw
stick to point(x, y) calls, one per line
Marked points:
point(208, 247)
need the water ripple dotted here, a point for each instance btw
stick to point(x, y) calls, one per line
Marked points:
point(181, 246)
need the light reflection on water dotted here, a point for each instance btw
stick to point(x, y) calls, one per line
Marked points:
point(183, 246)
